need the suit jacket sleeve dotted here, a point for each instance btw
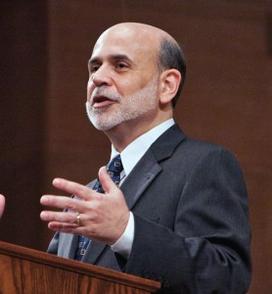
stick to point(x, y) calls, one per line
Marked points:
point(207, 250)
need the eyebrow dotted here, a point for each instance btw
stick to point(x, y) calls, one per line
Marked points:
point(114, 57)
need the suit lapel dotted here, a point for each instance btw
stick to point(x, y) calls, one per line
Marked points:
point(140, 178)
point(145, 171)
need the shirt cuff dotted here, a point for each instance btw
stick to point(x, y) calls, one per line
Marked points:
point(124, 244)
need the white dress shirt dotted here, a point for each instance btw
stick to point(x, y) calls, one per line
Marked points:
point(130, 157)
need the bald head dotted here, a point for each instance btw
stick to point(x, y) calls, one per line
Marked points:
point(140, 37)
point(148, 32)
point(161, 46)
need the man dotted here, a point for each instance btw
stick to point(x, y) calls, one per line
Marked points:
point(2, 204)
point(178, 213)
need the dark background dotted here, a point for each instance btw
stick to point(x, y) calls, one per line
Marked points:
point(44, 131)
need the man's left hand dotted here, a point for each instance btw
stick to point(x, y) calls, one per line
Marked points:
point(98, 216)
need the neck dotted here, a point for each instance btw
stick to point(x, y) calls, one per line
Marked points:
point(122, 135)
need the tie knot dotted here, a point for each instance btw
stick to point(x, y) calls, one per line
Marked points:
point(115, 168)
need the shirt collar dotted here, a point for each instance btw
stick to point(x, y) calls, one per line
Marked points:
point(137, 148)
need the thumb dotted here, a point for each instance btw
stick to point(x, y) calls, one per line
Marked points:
point(105, 180)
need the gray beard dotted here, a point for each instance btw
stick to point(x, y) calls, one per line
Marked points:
point(130, 108)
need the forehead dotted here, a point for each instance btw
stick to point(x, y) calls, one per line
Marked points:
point(135, 46)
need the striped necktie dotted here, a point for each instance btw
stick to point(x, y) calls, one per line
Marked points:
point(114, 169)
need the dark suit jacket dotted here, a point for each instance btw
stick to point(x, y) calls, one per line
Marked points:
point(191, 220)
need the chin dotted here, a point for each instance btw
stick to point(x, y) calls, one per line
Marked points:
point(102, 124)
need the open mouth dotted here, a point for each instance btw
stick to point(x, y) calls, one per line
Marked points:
point(101, 101)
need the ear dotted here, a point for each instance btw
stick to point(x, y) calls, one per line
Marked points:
point(169, 84)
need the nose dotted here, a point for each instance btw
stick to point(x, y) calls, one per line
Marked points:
point(101, 77)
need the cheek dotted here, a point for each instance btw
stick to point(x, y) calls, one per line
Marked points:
point(131, 86)
point(89, 88)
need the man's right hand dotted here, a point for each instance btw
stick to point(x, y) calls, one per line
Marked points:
point(2, 204)
point(98, 216)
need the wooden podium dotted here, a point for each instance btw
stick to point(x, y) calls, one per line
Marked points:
point(24, 270)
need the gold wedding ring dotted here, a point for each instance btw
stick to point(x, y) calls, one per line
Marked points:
point(78, 220)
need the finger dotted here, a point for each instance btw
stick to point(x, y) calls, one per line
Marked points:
point(74, 188)
point(68, 228)
point(63, 202)
point(63, 227)
point(67, 217)
point(105, 180)
point(2, 204)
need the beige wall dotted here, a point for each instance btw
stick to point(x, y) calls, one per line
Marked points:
point(44, 130)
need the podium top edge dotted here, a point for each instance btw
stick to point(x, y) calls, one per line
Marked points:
point(36, 256)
